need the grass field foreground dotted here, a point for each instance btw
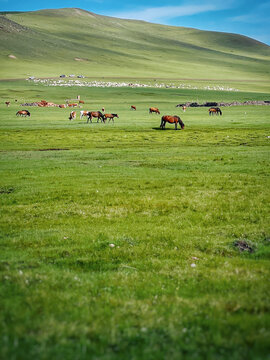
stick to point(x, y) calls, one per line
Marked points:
point(122, 240)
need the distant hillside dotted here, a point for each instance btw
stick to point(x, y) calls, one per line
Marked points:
point(52, 42)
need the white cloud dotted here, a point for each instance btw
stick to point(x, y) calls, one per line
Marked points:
point(251, 18)
point(166, 12)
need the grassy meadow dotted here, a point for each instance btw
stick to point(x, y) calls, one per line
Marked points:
point(124, 241)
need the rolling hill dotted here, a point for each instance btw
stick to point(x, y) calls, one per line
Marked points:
point(51, 42)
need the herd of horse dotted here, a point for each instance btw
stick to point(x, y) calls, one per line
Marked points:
point(93, 114)
point(176, 120)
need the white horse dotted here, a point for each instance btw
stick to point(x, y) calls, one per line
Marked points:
point(83, 113)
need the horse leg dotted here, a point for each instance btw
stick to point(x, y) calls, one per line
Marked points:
point(162, 125)
point(176, 126)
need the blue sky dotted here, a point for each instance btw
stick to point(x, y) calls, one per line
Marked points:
point(246, 17)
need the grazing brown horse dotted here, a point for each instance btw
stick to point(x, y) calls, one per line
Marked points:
point(153, 110)
point(133, 107)
point(171, 120)
point(62, 106)
point(72, 115)
point(23, 113)
point(81, 102)
point(72, 105)
point(7, 103)
point(95, 114)
point(103, 109)
point(110, 117)
point(215, 110)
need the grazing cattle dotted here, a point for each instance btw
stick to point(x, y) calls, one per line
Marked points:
point(23, 113)
point(95, 114)
point(7, 103)
point(81, 102)
point(62, 106)
point(153, 110)
point(72, 105)
point(133, 107)
point(83, 113)
point(171, 120)
point(110, 117)
point(215, 110)
point(72, 115)
point(184, 108)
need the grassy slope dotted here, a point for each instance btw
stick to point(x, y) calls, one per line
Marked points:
point(108, 46)
point(162, 197)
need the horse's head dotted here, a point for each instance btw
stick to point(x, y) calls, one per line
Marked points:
point(180, 122)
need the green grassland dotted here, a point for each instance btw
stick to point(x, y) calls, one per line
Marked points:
point(166, 200)
point(52, 42)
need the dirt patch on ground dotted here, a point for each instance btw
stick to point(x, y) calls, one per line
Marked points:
point(243, 245)
point(6, 190)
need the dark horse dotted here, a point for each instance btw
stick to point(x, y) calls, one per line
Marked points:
point(23, 113)
point(215, 110)
point(95, 114)
point(171, 120)
point(110, 117)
